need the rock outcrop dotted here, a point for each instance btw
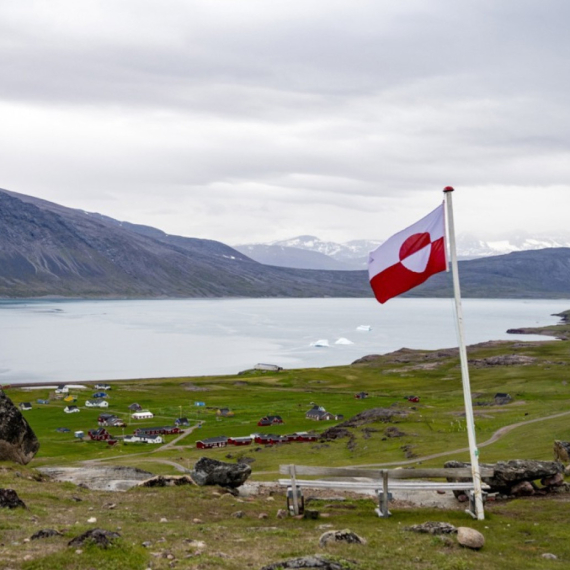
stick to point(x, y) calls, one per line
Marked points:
point(518, 476)
point(18, 442)
point(213, 472)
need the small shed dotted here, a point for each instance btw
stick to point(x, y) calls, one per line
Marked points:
point(200, 404)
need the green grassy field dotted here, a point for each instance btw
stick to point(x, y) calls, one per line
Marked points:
point(517, 532)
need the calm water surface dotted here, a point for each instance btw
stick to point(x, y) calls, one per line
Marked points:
point(65, 341)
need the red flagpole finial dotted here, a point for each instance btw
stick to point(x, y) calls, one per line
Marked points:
point(448, 189)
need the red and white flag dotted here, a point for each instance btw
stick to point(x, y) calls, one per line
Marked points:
point(409, 257)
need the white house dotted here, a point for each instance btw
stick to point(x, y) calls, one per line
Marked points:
point(71, 409)
point(142, 415)
point(62, 389)
point(143, 439)
point(97, 403)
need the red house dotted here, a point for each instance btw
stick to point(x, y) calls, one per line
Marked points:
point(270, 421)
point(247, 440)
point(100, 434)
point(212, 442)
point(270, 439)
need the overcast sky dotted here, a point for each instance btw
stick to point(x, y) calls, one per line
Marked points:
point(258, 120)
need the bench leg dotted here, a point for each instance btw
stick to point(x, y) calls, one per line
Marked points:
point(295, 502)
point(382, 510)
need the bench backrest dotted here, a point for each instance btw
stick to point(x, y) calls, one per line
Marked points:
point(404, 473)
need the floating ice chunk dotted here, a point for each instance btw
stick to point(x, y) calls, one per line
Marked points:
point(320, 343)
point(364, 328)
point(343, 340)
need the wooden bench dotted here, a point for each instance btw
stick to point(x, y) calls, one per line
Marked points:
point(379, 481)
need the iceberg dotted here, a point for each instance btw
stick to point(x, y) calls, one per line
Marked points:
point(343, 340)
point(364, 328)
point(320, 343)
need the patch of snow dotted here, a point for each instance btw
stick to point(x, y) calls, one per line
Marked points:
point(364, 328)
point(343, 340)
point(320, 343)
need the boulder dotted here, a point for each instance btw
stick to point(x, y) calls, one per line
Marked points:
point(522, 489)
point(562, 451)
point(213, 472)
point(9, 499)
point(315, 561)
point(508, 473)
point(18, 442)
point(45, 533)
point(470, 538)
point(432, 527)
point(97, 536)
point(335, 536)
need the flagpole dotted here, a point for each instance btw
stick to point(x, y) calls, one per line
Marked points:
point(474, 452)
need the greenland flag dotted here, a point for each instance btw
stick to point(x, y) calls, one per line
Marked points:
point(409, 257)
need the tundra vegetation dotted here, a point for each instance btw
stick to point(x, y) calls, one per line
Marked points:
point(208, 528)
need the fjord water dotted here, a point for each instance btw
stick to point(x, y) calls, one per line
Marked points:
point(66, 341)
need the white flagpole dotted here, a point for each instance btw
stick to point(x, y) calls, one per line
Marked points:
point(474, 452)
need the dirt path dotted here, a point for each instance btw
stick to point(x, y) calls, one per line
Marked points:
point(495, 437)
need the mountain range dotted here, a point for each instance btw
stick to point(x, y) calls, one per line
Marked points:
point(310, 252)
point(48, 250)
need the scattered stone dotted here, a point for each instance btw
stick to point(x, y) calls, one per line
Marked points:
point(238, 515)
point(470, 538)
point(432, 527)
point(167, 481)
point(18, 442)
point(197, 521)
point(262, 516)
point(147, 544)
point(311, 562)
point(522, 489)
point(281, 514)
point(213, 472)
point(393, 431)
point(163, 520)
point(45, 533)
point(92, 520)
point(334, 536)
point(549, 556)
point(97, 536)
point(195, 543)
point(311, 514)
point(110, 506)
point(9, 499)
point(554, 481)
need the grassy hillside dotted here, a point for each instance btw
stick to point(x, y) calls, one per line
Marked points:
point(536, 375)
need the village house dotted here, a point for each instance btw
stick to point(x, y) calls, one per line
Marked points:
point(62, 389)
point(71, 409)
point(25, 406)
point(102, 387)
point(70, 398)
point(318, 413)
point(40, 401)
point(100, 434)
point(142, 415)
point(270, 439)
point(302, 437)
point(182, 422)
point(97, 403)
point(135, 407)
point(200, 404)
point(361, 395)
point(270, 421)
point(164, 430)
point(244, 440)
point(224, 412)
point(110, 420)
point(212, 442)
point(143, 439)
point(100, 395)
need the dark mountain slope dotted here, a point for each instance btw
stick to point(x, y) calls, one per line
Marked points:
point(543, 273)
point(47, 249)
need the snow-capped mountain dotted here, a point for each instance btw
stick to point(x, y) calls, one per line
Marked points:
point(310, 252)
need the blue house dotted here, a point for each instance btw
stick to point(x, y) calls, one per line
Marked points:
point(100, 395)
point(199, 403)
